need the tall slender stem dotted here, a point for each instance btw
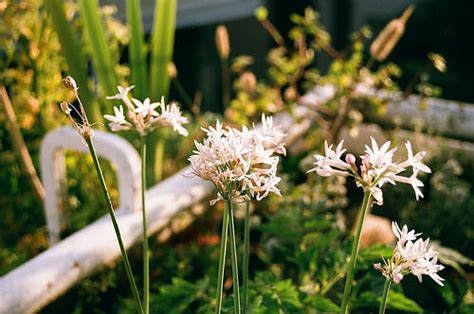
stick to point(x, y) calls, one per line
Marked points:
point(146, 263)
point(354, 253)
point(245, 268)
point(110, 208)
point(233, 255)
point(222, 254)
point(386, 290)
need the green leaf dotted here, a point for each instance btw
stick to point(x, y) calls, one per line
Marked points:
point(324, 305)
point(396, 301)
point(137, 51)
point(101, 55)
point(162, 42)
point(179, 295)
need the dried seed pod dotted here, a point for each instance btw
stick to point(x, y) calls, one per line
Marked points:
point(222, 42)
point(390, 35)
point(70, 83)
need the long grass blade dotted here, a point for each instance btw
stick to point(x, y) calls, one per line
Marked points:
point(74, 55)
point(162, 41)
point(101, 55)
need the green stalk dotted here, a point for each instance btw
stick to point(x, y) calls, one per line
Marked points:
point(110, 208)
point(354, 253)
point(245, 268)
point(222, 255)
point(233, 255)
point(137, 55)
point(386, 290)
point(146, 262)
point(162, 42)
point(73, 55)
point(101, 55)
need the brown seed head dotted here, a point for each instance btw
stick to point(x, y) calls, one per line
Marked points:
point(65, 107)
point(390, 35)
point(222, 42)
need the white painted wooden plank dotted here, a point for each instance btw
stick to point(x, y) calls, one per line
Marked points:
point(445, 117)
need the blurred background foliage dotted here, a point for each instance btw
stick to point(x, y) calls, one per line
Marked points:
point(299, 242)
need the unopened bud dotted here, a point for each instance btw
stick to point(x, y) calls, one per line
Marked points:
point(70, 83)
point(222, 42)
point(172, 71)
point(389, 36)
point(351, 160)
point(65, 107)
point(290, 93)
point(397, 256)
point(378, 266)
point(397, 277)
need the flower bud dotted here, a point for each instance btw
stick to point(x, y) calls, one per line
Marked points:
point(172, 71)
point(378, 266)
point(222, 42)
point(389, 36)
point(351, 160)
point(70, 83)
point(290, 93)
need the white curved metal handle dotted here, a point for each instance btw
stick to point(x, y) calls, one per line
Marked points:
point(53, 171)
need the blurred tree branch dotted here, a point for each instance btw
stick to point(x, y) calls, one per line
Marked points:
point(19, 145)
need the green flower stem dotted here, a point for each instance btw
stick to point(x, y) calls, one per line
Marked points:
point(386, 290)
point(245, 268)
point(354, 253)
point(110, 208)
point(233, 255)
point(146, 262)
point(222, 254)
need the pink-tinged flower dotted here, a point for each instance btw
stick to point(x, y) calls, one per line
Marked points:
point(403, 235)
point(414, 161)
point(117, 121)
point(331, 163)
point(146, 107)
point(123, 96)
point(411, 255)
point(377, 167)
point(379, 158)
point(171, 115)
point(143, 116)
point(236, 162)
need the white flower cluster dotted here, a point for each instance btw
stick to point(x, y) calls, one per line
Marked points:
point(376, 169)
point(239, 163)
point(411, 255)
point(143, 115)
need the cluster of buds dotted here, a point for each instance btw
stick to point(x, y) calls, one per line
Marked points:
point(376, 169)
point(411, 255)
point(143, 116)
point(240, 163)
point(77, 115)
